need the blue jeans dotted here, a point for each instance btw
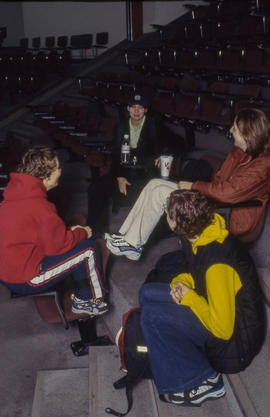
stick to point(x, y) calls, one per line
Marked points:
point(82, 262)
point(175, 338)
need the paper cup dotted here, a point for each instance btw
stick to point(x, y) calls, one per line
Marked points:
point(165, 165)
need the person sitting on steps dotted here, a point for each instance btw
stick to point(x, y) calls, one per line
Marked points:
point(36, 249)
point(244, 175)
point(210, 319)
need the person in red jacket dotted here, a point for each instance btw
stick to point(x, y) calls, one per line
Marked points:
point(37, 251)
point(244, 175)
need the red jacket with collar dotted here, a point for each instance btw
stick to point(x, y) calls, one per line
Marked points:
point(240, 178)
point(30, 229)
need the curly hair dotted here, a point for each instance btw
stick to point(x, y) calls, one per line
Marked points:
point(38, 161)
point(191, 210)
point(254, 126)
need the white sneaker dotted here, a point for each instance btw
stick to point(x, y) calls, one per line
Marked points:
point(113, 236)
point(93, 307)
point(120, 247)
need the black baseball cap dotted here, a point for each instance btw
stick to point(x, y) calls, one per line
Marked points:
point(138, 98)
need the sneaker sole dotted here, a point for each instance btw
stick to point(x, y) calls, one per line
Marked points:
point(116, 251)
point(78, 311)
point(210, 396)
point(176, 402)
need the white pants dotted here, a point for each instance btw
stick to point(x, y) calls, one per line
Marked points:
point(146, 212)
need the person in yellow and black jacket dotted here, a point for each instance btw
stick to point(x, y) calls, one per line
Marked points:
point(210, 319)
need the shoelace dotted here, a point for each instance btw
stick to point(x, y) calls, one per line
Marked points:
point(117, 237)
point(97, 301)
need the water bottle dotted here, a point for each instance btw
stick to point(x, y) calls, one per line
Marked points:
point(125, 150)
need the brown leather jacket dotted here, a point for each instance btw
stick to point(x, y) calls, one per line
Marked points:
point(240, 178)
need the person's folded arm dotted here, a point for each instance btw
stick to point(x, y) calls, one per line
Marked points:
point(237, 188)
point(217, 313)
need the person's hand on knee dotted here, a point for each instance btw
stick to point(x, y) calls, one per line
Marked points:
point(185, 185)
point(178, 291)
point(122, 185)
point(86, 228)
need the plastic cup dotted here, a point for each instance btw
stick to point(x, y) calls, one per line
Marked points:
point(165, 165)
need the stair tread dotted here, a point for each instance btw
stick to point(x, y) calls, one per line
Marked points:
point(104, 370)
point(61, 392)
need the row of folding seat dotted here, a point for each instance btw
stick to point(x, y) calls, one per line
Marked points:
point(203, 110)
point(216, 32)
point(183, 100)
point(84, 41)
point(31, 62)
point(255, 60)
point(26, 73)
point(86, 134)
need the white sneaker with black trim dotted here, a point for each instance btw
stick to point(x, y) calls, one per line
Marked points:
point(119, 247)
point(113, 236)
point(210, 389)
point(93, 307)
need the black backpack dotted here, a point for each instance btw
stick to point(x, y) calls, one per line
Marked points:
point(133, 355)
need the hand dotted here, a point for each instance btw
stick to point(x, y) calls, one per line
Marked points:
point(122, 185)
point(178, 292)
point(86, 228)
point(185, 185)
point(157, 162)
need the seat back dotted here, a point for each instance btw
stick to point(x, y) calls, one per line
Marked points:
point(24, 43)
point(36, 43)
point(50, 42)
point(62, 41)
point(102, 38)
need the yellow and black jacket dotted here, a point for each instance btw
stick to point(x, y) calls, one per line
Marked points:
point(225, 295)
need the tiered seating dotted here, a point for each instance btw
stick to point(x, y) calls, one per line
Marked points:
point(26, 71)
point(182, 100)
point(81, 42)
point(86, 135)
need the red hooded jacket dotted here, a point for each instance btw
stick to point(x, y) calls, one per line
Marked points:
point(30, 229)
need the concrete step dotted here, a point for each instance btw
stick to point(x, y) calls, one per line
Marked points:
point(251, 386)
point(61, 393)
point(126, 278)
point(104, 370)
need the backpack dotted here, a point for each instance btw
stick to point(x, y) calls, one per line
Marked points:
point(133, 355)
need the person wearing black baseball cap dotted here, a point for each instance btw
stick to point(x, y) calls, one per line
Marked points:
point(138, 98)
point(124, 183)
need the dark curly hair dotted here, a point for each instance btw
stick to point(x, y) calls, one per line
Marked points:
point(38, 161)
point(191, 210)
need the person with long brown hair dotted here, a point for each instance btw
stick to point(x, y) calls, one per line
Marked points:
point(244, 175)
